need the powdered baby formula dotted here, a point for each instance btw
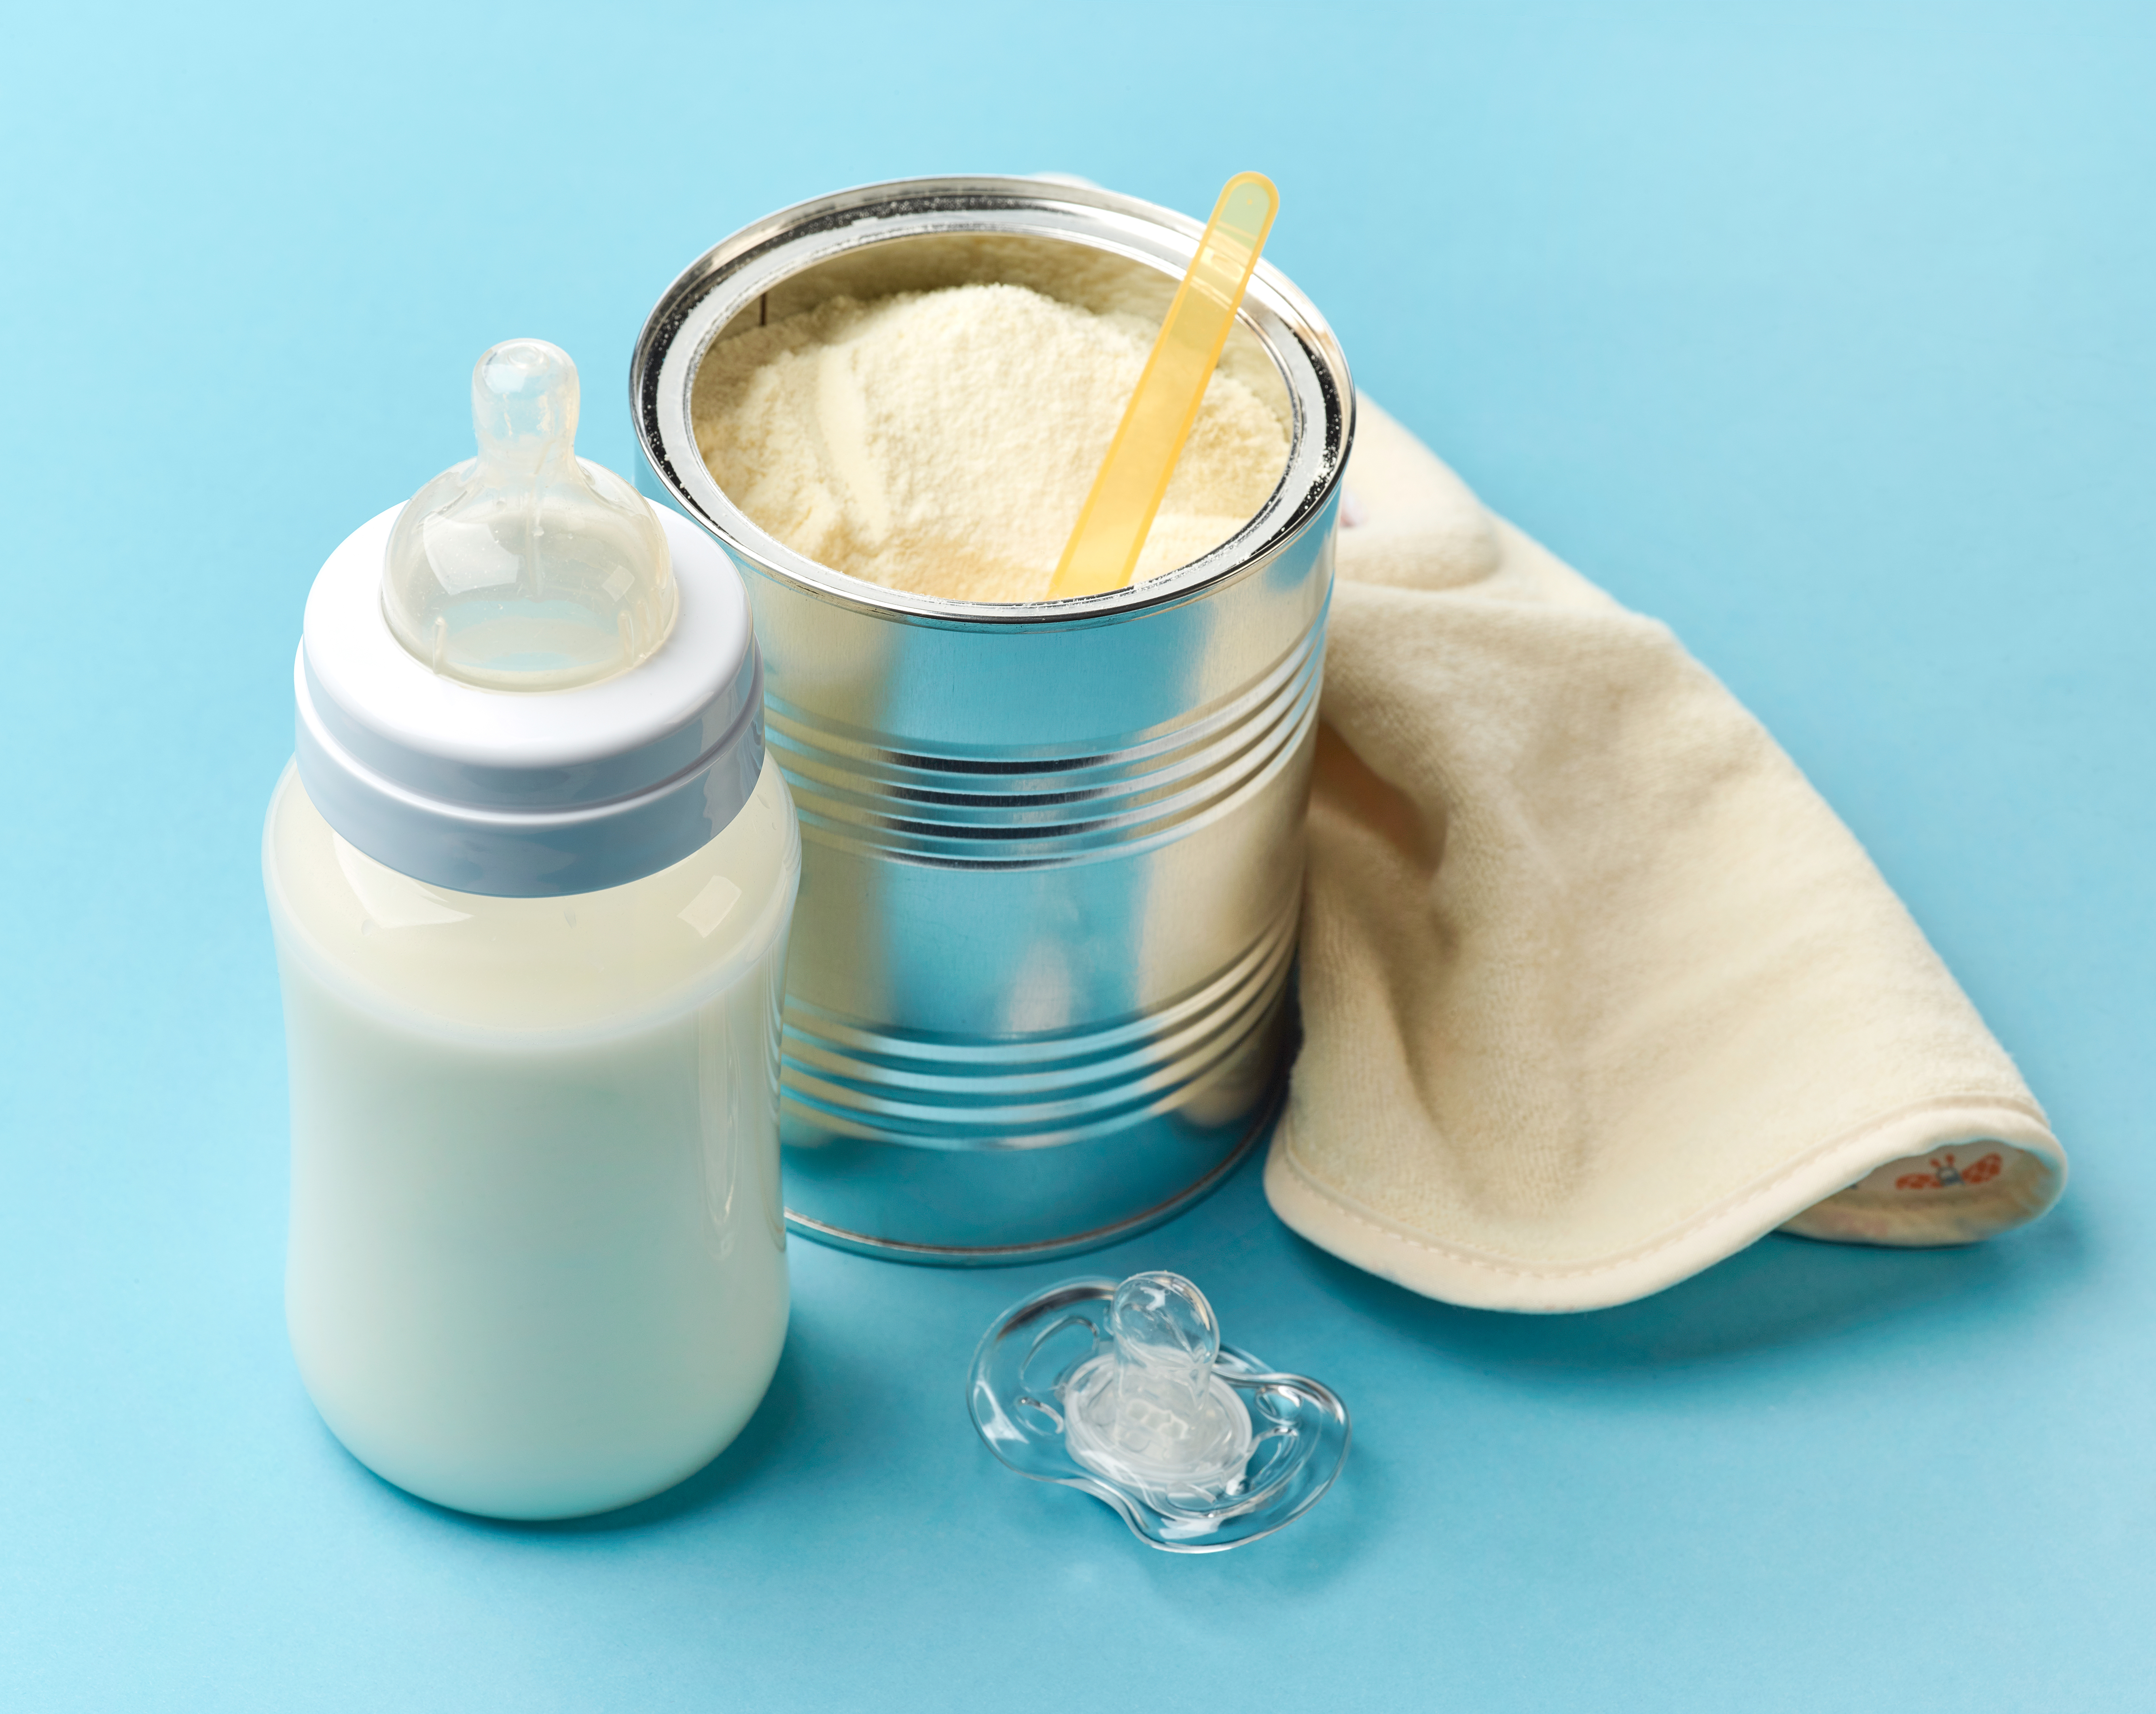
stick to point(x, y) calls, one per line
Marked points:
point(944, 441)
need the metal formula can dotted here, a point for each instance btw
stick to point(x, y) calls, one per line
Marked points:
point(1037, 999)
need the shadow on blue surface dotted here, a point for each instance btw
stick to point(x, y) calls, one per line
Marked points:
point(1783, 1292)
point(1784, 1298)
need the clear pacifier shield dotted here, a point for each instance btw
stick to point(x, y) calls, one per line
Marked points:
point(1034, 1359)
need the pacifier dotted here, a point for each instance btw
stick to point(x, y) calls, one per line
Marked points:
point(527, 568)
point(1126, 1391)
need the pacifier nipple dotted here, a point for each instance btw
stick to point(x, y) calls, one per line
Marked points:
point(527, 568)
point(1150, 1413)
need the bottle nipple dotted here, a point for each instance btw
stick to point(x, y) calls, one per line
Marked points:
point(1151, 1415)
point(527, 568)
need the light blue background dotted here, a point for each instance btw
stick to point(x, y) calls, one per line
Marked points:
point(1821, 330)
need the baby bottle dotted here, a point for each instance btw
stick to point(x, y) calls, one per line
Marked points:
point(530, 875)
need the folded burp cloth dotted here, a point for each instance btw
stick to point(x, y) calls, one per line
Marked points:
point(1596, 990)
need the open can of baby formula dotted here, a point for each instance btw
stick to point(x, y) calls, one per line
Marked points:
point(1038, 994)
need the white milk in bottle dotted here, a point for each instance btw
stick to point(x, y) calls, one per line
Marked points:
point(530, 875)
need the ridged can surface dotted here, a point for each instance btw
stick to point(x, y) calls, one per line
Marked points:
point(1052, 852)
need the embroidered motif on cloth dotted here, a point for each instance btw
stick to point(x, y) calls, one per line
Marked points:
point(1945, 1172)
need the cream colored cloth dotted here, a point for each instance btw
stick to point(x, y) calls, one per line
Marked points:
point(1596, 990)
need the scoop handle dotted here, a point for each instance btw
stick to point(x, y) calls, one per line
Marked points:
point(1103, 550)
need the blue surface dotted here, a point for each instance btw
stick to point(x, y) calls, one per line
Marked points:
point(1821, 330)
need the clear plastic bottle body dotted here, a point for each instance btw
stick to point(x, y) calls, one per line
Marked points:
point(536, 1263)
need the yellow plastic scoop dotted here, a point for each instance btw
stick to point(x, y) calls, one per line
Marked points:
point(1103, 549)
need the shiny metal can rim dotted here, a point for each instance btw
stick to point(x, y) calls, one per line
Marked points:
point(1049, 1250)
point(708, 293)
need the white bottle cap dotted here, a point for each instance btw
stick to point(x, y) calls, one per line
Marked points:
point(529, 794)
